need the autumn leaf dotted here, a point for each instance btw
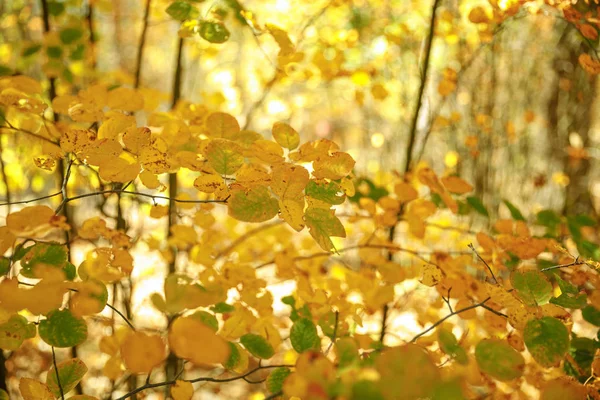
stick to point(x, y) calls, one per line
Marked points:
point(322, 224)
point(142, 352)
point(192, 340)
point(256, 205)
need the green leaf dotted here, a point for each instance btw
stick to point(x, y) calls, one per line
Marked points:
point(592, 315)
point(4, 395)
point(222, 308)
point(207, 319)
point(478, 206)
point(346, 352)
point(46, 254)
point(532, 286)
point(289, 300)
point(450, 346)
point(55, 8)
point(214, 32)
point(276, 378)
point(547, 339)
point(4, 71)
point(63, 329)
point(70, 373)
point(499, 360)
point(180, 10)
point(304, 336)
point(15, 331)
point(366, 390)
point(514, 211)
point(4, 265)
point(322, 224)
point(224, 156)
point(548, 218)
point(31, 50)
point(78, 53)
point(255, 206)
point(570, 296)
point(54, 51)
point(328, 192)
point(449, 390)
point(70, 35)
point(257, 346)
point(367, 189)
point(234, 356)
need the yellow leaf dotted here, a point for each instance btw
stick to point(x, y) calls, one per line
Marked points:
point(182, 390)
point(222, 125)
point(34, 390)
point(209, 183)
point(286, 47)
point(112, 127)
point(125, 99)
point(159, 211)
point(335, 166)
point(267, 151)
point(7, 239)
point(30, 221)
point(135, 139)
point(432, 275)
point(119, 170)
point(192, 340)
point(149, 180)
point(142, 352)
point(285, 135)
point(478, 15)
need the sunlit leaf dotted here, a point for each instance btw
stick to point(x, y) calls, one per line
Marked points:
point(224, 156)
point(322, 224)
point(256, 205)
point(285, 135)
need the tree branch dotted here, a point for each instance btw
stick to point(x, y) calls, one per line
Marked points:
point(419, 101)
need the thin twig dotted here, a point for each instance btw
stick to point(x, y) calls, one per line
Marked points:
point(335, 329)
point(109, 191)
point(202, 379)
point(481, 304)
point(274, 395)
point(391, 247)
point(122, 316)
point(246, 236)
point(60, 388)
point(483, 261)
point(576, 262)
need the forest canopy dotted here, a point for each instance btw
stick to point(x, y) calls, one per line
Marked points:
point(287, 199)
